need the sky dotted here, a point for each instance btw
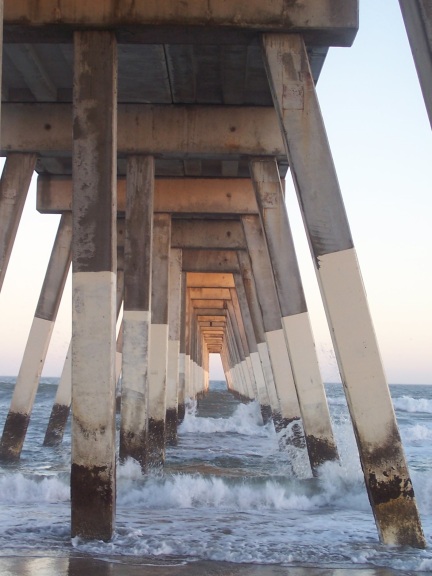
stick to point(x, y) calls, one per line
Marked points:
point(381, 141)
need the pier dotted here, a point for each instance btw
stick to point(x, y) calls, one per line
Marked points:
point(162, 132)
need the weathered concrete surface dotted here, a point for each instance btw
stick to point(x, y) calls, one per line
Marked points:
point(93, 471)
point(174, 312)
point(14, 185)
point(333, 24)
point(295, 319)
point(247, 280)
point(179, 131)
point(179, 195)
point(384, 466)
point(417, 15)
point(137, 308)
point(274, 335)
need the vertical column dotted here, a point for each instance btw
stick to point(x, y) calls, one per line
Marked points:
point(182, 383)
point(94, 252)
point(37, 344)
point(241, 323)
point(239, 295)
point(14, 185)
point(159, 339)
point(257, 321)
point(243, 368)
point(386, 475)
point(175, 297)
point(295, 319)
point(119, 301)
point(417, 15)
point(188, 362)
point(282, 371)
point(136, 309)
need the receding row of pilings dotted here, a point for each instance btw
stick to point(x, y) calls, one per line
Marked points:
point(266, 343)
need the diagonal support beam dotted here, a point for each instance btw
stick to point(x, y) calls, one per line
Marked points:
point(27, 383)
point(14, 185)
point(295, 319)
point(417, 15)
point(381, 454)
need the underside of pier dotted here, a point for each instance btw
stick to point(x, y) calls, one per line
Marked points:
point(162, 132)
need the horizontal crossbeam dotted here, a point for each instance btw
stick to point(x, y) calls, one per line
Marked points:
point(173, 131)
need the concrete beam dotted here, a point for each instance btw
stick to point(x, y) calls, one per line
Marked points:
point(208, 234)
point(417, 15)
point(332, 23)
point(14, 185)
point(210, 293)
point(179, 195)
point(213, 319)
point(295, 319)
point(210, 261)
point(213, 280)
point(197, 304)
point(176, 131)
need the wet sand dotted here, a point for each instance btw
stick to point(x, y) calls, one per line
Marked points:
point(87, 566)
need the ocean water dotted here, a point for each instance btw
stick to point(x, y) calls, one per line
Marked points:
point(227, 494)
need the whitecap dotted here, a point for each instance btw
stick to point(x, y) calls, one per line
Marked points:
point(409, 404)
point(18, 489)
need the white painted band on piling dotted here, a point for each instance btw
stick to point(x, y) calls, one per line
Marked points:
point(307, 375)
point(172, 374)
point(283, 376)
point(158, 371)
point(93, 392)
point(187, 371)
point(247, 379)
point(263, 397)
point(31, 366)
point(136, 332)
point(355, 345)
point(268, 376)
point(254, 388)
point(181, 387)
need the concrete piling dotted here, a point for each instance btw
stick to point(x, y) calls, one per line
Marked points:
point(386, 475)
point(14, 185)
point(173, 368)
point(93, 471)
point(290, 414)
point(137, 309)
point(158, 360)
point(295, 319)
